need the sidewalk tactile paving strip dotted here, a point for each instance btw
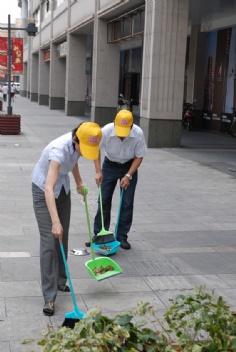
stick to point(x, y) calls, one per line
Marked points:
point(156, 268)
point(144, 255)
point(168, 283)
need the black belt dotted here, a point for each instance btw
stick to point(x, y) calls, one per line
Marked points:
point(129, 162)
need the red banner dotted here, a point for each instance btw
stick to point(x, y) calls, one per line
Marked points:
point(3, 54)
point(17, 55)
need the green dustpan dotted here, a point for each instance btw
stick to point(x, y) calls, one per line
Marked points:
point(100, 264)
point(100, 268)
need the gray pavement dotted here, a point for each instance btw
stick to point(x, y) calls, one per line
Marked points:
point(183, 233)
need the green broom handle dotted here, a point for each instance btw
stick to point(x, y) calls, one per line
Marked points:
point(85, 191)
point(101, 207)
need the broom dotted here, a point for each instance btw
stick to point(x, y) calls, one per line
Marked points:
point(103, 236)
point(76, 315)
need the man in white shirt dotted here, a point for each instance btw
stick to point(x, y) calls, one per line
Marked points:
point(125, 147)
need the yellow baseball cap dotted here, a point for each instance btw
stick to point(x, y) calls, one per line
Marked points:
point(123, 123)
point(89, 135)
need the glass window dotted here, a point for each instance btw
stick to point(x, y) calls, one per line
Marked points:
point(45, 10)
point(127, 26)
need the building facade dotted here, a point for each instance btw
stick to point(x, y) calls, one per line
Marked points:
point(86, 52)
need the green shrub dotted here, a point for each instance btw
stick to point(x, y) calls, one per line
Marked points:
point(195, 322)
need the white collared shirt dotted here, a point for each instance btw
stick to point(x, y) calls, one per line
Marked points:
point(60, 150)
point(133, 146)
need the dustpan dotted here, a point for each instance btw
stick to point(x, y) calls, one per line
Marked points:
point(110, 247)
point(100, 268)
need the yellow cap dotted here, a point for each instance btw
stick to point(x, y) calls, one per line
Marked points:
point(123, 123)
point(89, 135)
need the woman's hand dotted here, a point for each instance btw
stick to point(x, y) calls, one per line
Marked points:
point(57, 230)
point(79, 188)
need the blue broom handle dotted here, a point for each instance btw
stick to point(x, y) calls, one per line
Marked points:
point(68, 275)
point(118, 215)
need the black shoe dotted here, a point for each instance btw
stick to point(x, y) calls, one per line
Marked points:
point(125, 244)
point(64, 288)
point(87, 244)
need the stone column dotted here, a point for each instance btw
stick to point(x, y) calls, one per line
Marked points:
point(34, 77)
point(75, 75)
point(57, 80)
point(43, 83)
point(23, 34)
point(196, 68)
point(23, 81)
point(163, 71)
point(105, 75)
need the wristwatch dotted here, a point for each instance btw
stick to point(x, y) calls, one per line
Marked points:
point(129, 176)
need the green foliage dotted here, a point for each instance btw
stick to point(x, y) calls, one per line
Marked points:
point(195, 322)
point(202, 323)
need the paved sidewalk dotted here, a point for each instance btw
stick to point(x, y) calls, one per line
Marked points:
point(183, 232)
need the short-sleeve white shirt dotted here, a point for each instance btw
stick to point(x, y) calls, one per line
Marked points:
point(60, 150)
point(133, 146)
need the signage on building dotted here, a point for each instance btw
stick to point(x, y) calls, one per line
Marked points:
point(62, 50)
point(17, 55)
point(46, 55)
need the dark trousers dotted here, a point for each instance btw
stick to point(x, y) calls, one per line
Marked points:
point(51, 262)
point(112, 172)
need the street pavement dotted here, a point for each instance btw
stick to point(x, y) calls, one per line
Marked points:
point(183, 233)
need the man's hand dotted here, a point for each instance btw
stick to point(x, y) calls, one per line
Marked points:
point(125, 182)
point(98, 178)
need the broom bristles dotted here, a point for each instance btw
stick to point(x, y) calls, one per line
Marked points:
point(104, 239)
point(70, 323)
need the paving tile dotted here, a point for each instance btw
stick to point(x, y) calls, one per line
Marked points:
point(20, 269)
point(208, 281)
point(110, 303)
point(22, 327)
point(20, 289)
point(134, 284)
point(5, 346)
point(168, 283)
point(230, 279)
